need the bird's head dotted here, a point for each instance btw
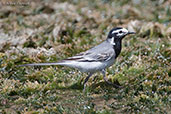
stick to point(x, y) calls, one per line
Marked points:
point(117, 34)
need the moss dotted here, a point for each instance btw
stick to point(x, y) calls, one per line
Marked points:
point(70, 27)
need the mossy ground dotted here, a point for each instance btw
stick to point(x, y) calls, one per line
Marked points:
point(50, 31)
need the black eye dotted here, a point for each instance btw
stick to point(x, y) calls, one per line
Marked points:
point(120, 31)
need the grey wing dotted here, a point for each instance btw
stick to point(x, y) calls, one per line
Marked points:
point(105, 56)
point(93, 56)
point(101, 56)
point(101, 52)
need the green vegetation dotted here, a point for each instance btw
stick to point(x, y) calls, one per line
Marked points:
point(51, 31)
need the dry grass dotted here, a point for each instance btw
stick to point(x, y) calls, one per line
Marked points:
point(50, 31)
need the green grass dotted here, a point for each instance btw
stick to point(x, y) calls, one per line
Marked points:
point(48, 33)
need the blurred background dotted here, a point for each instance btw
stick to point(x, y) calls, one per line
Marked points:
point(51, 30)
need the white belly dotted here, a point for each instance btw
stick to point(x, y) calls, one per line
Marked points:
point(90, 66)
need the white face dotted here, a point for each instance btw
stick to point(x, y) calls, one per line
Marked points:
point(120, 32)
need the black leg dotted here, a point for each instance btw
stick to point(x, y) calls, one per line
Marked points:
point(85, 81)
point(106, 80)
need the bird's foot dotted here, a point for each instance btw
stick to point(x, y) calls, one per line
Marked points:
point(116, 83)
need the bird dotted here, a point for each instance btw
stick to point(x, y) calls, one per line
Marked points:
point(97, 58)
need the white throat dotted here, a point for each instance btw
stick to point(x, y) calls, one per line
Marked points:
point(112, 41)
